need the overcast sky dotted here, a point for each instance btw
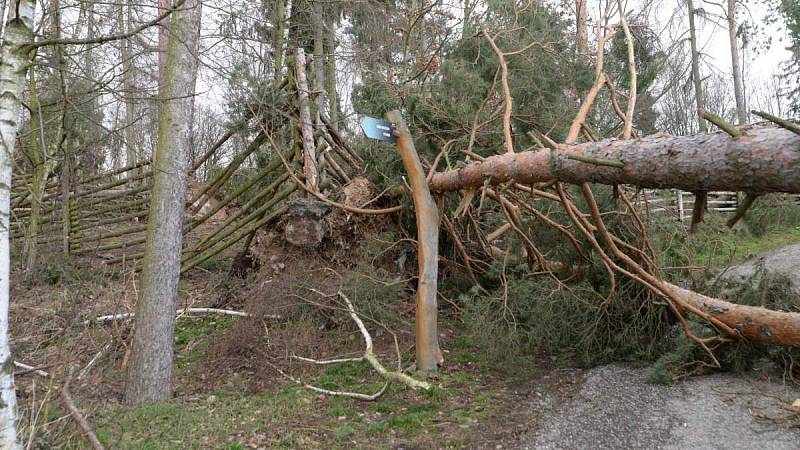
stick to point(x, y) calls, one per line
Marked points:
point(713, 35)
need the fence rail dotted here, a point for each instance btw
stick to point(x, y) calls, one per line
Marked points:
point(680, 203)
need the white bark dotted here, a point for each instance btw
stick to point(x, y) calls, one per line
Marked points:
point(13, 65)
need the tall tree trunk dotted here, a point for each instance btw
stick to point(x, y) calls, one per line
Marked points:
point(150, 369)
point(466, 28)
point(279, 30)
point(13, 65)
point(88, 56)
point(319, 59)
point(318, 27)
point(306, 129)
point(581, 27)
point(738, 89)
point(42, 166)
point(163, 41)
point(68, 165)
point(698, 82)
point(131, 150)
point(333, 100)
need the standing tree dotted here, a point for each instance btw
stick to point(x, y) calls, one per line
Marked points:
point(738, 90)
point(13, 66)
point(698, 81)
point(150, 370)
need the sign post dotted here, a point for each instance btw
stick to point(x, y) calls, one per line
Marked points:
point(429, 356)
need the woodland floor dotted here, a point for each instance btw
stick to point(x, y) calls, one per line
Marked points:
point(230, 395)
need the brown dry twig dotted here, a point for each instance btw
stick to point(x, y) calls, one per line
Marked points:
point(76, 414)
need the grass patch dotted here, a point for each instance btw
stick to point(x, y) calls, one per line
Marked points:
point(210, 421)
point(191, 337)
point(737, 246)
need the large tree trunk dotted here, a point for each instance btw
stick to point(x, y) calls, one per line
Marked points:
point(163, 41)
point(150, 370)
point(13, 65)
point(738, 90)
point(751, 322)
point(764, 159)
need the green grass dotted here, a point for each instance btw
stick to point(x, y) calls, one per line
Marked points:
point(737, 246)
point(191, 336)
point(211, 421)
point(234, 420)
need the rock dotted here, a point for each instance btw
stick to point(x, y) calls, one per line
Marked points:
point(304, 225)
point(782, 263)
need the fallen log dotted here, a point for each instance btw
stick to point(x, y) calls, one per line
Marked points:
point(751, 322)
point(764, 159)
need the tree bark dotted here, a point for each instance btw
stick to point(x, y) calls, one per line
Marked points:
point(762, 160)
point(163, 41)
point(330, 77)
point(698, 85)
point(751, 322)
point(150, 369)
point(279, 29)
point(738, 89)
point(310, 169)
point(13, 66)
point(128, 67)
point(427, 338)
point(42, 165)
point(581, 27)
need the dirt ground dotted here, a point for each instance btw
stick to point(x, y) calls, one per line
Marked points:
point(229, 392)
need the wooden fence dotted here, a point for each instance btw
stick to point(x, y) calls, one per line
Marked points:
point(680, 203)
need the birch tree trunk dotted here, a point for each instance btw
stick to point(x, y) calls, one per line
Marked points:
point(13, 65)
point(150, 369)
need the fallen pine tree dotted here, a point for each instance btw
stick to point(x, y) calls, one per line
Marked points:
point(762, 160)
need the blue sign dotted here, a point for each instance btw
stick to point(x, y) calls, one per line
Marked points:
point(378, 129)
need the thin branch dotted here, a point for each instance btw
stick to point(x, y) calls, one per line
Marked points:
point(778, 121)
point(506, 93)
point(76, 414)
point(104, 39)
